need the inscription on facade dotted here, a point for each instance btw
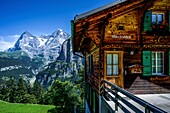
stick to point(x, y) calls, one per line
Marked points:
point(121, 36)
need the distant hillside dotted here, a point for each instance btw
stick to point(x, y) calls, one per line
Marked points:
point(18, 64)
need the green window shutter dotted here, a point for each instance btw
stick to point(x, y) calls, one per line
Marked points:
point(169, 62)
point(169, 21)
point(147, 70)
point(91, 67)
point(89, 62)
point(72, 34)
point(90, 58)
point(148, 21)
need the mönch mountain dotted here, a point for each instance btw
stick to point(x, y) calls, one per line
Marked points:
point(42, 58)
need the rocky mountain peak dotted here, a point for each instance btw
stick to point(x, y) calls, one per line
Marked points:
point(58, 32)
point(48, 46)
point(27, 33)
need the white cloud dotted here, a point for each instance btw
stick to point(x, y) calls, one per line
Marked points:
point(7, 41)
point(5, 45)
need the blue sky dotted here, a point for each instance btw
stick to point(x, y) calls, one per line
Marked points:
point(40, 17)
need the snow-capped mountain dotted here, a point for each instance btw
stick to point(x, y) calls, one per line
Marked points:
point(48, 46)
point(44, 58)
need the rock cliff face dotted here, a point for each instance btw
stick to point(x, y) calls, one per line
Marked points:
point(66, 65)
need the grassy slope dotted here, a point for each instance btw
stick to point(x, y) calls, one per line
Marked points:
point(6, 107)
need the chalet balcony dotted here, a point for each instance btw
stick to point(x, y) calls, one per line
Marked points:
point(115, 99)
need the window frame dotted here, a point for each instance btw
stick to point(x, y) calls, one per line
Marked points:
point(157, 13)
point(156, 64)
point(112, 65)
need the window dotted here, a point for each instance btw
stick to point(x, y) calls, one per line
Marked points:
point(120, 27)
point(157, 63)
point(156, 22)
point(153, 62)
point(112, 65)
point(157, 18)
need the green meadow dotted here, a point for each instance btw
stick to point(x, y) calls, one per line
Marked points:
point(6, 107)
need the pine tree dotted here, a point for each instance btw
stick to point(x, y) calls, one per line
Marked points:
point(2, 89)
point(11, 84)
point(9, 89)
point(20, 91)
point(37, 90)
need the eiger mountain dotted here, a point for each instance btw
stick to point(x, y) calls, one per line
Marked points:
point(46, 46)
point(44, 58)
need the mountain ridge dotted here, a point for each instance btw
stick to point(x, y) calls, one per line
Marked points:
point(43, 45)
point(44, 58)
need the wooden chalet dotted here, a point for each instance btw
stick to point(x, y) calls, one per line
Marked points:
point(127, 43)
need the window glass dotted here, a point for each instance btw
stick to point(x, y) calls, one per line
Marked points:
point(109, 70)
point(153, 17)
point(160, 18)
point(109, 58)
point(153, 56)
point(160, 70)
point(160, 63)
point(159, 55)
point(115, 70)
point(153, 63)
point(157, 18)
point(153, 69)
point(115, 58)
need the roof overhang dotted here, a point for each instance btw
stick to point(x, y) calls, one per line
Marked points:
point(86, 14)
point(79, 26)
point(90, 24)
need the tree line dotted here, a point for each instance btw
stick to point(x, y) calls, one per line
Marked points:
point(65, 93)
point(21, 92)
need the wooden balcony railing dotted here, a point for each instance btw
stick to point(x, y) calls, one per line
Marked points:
point(121, 99)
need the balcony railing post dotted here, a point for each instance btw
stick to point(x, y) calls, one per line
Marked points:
point(104, 90)
point(147, 110)
point(116, 99)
